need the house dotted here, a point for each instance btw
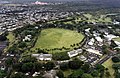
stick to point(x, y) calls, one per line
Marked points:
point(74, 53)
point(41, 57)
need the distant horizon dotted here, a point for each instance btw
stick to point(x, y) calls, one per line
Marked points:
point(63, 0)
point(105, 2)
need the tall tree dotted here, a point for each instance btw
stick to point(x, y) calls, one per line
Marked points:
point(37, 66)
point(75, 64)
point(64, 66)
point(27, 67)
point(49, 65)
point(60, 74)
point(85, 68)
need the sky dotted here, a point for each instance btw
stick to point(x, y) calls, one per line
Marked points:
point(108, 1)
point(63, 0)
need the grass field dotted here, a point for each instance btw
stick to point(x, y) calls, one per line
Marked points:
point(57, 38)
point(11, 37)
point(102, 18)
point(89, 16)
point(108, 64)
point(117, 39)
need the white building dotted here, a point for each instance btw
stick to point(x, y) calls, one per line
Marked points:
point(74, 53)
point(91, 41)
point(82, 58)
point(87, 30)
point(46, 57)
point(99, 39)
point(27, 38)
point(116, 22)
point(94, 51)
point(118, 43)
point(109, 37)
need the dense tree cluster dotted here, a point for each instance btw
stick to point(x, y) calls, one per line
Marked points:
point(115, 59)
point(64, 66)
point(80, 69)
point(18, 75)
point(117, 68)
point(3, 74)
point(49, 65)
point(30, 64)
point(22, 45)
point(75, 64)
point(61, 56)
point(60, 74)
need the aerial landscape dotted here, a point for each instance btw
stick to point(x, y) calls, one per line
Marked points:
point(59, 38)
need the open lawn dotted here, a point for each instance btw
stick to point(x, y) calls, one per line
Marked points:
point(57, 38)
point(89, 16)
point(102, 18)
point(117, 39)
point(108, 64)
point(11, 37)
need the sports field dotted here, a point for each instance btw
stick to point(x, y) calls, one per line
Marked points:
point(57, 38)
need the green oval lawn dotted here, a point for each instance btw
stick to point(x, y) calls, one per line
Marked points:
point(57, 38)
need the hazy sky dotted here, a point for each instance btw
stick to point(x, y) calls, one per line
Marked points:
point(63, 0)
point(108, 1)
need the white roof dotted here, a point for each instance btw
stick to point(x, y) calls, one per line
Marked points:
point(91, 41)
point(35, 74)
point(110, 36)
point(99, 39)
point(35, 55)
point(43, 56)
point(118, 43)
point(74, 52)
point(87, 30)
point(83, 58)
point(94, 51)
point(116, 22)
